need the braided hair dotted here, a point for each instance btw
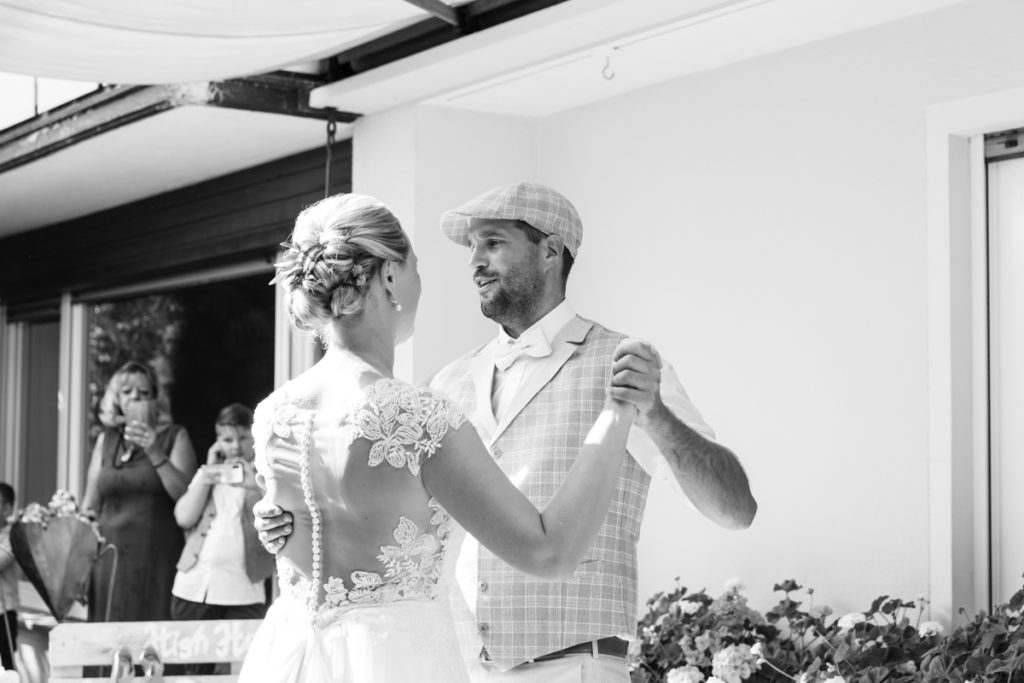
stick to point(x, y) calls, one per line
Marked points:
point(337, 247)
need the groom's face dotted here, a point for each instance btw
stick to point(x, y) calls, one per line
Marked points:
point(506, 270)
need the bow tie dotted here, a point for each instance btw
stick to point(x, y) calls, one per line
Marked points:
point(505, 355)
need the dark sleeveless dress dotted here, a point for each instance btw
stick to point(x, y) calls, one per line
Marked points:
point(136, 514)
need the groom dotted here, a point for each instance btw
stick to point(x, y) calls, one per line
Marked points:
point(532, 394)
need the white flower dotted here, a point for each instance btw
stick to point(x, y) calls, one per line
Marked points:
point(835, 679)
point(702, 642)
point(757, 651)
point(735, 584)
point(820, 612)
point(715, 679)
point(850, 620)
point(929, 628)
point(784, 630)
point(733, 664)
point(688, 606)
point(684, 674)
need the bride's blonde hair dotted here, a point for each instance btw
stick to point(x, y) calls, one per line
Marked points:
point(336, 249)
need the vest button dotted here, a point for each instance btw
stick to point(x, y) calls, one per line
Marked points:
point(484, 627)
point(497, 453)
point(482, 586)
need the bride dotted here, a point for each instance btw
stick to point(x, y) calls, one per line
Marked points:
point(383, 477)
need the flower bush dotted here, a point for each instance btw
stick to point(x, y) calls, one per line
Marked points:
point(690, 637)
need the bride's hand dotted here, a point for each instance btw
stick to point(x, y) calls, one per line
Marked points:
point(636, 377)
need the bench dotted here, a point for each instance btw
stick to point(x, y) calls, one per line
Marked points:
point(74, 646)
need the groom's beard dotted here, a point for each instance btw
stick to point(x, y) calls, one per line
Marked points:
point(514, 298)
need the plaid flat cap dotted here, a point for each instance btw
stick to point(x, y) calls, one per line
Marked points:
point(540, 206)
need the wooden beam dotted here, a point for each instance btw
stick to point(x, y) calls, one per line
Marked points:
point(429, 33)
point(115, 106)
point(441, 10)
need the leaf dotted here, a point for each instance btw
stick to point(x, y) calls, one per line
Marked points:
point(878, 603)
point(788, 586)
point(1017, 600)
point(975, 665)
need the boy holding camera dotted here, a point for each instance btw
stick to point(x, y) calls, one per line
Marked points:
point(222, 569)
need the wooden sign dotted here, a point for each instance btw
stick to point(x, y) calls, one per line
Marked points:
point(73, 646)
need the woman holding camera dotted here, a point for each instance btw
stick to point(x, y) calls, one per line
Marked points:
point(140, 467)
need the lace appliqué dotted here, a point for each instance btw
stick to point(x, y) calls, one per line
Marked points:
point(412, 571)
point(404, 424)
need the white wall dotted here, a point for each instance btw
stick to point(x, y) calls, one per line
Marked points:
point(423, 161)
point(765, 225)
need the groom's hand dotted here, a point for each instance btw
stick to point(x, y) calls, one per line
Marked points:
point(273, 524)
point(636, 377)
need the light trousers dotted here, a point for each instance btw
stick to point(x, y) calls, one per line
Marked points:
point(576, 668)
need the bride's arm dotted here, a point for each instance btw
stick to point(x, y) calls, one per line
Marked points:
point(549, 544)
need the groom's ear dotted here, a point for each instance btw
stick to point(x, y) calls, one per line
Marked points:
point(553, 246)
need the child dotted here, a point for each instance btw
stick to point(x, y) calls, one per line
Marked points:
point(8, 581)
point(222, 569)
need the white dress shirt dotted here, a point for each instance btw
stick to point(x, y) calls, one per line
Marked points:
point(219, 576)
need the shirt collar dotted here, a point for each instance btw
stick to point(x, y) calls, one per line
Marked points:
point(547, 327)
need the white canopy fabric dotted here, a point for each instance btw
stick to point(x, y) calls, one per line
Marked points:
point(152, 41)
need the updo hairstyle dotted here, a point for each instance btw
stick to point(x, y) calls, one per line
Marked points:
point(338, 246)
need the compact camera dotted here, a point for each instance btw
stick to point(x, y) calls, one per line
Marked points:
point(225, 473)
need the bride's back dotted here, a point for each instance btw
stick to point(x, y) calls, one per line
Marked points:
point(342, 450)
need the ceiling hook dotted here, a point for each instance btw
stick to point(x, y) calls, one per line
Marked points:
point(607, 70)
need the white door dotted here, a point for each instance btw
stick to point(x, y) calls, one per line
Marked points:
point(1006, 340)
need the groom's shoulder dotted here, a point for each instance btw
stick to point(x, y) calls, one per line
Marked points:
point(456, 369)
point(598, 334)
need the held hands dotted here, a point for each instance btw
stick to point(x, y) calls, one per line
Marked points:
point(636, 378)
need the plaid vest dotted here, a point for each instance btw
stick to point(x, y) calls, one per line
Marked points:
point(518, 617)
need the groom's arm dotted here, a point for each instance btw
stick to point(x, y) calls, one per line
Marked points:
point(709, 474)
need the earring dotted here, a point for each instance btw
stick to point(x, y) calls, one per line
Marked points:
point(398, 306)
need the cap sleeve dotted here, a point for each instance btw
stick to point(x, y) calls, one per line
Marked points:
point(442, 415)
point(261, 436)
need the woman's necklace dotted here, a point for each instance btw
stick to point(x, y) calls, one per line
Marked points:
point(129, 450)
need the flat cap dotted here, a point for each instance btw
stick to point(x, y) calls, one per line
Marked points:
point(538, 205)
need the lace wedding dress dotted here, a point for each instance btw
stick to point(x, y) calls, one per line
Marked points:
point(366, 574)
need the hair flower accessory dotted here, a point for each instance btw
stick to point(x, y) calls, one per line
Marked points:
point(358, 275)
